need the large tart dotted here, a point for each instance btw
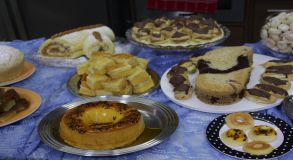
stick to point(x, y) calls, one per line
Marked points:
point(177, 31)
point(101, 125)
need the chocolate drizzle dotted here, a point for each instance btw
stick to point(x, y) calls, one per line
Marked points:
point(176, 80)
point(182, 87)
point(259, 93)
point(275, 81)
point(178, 35)
point(281, 61)
point(274, 89)
point(203, 66)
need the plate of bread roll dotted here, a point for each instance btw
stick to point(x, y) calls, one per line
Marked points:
point(113, 74)
point(228, 79)
point(250, 135)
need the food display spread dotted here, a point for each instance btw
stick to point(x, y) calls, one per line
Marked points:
point(219, 77)
point(179, 31)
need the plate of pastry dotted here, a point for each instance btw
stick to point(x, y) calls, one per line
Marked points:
point(228, 79)
point(14, 67)
point(74, 46)
point(113, 74)
point(107, 126)
point(178, 33)
point(16, 104)
point(250, 135)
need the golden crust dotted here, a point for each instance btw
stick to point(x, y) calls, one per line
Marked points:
point(115, 126)
point(76, 30)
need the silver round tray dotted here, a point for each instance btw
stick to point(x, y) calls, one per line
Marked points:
point(160, 122)
point(72, 85)
point(180, 48)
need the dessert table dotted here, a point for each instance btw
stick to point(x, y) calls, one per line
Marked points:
point(20, 140)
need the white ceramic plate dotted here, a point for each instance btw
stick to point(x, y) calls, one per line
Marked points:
point(243, 105)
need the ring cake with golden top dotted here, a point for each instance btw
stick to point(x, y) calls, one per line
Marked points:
point(101, 125)
point(223, 74)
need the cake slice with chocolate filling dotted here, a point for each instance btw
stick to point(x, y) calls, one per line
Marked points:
point(278, 63)
point(282, 72)
point(223, 75)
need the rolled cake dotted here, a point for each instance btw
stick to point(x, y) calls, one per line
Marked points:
point(80, 41)
point(11, 63)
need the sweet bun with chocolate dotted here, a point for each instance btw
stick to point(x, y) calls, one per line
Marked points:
point(239, 120)
point(178, 78)
point(189, 65)
point(259, 96)
point(281, 83)
point(257, 148)
point(262, 133)
point(282, 72)
point(234, 137)
point(278, 63)
point(273, 90)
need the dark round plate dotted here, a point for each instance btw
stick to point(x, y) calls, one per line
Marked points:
point(213, 136)
point(288, 106)
point(180, 48)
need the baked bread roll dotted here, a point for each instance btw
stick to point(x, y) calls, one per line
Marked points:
point(285, 84)
point(98, 66)
point(176, 70)
point(259, 96)
point(138, 76)
point(191, 68)
point(278, 63)
point(239, 120)
point(93, 81)
point(273, 90)
point(258, 148)
point(262, 133)
point(11, 63)
point(84, 89)
point(282, 72)
point(234, 137)
point(183, 91)
point(70, 44)
point(114, 85)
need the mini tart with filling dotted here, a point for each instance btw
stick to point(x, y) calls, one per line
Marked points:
point(258, 148)
point(262, 133)
point(101, 125)
point(239, 120)
point(234, 137)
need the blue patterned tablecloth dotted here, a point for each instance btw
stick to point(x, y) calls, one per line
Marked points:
point(20, 140)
